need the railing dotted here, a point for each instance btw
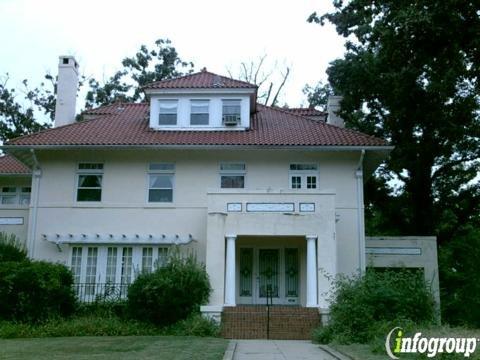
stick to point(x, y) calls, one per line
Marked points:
point(269, 294)
point(100, 292)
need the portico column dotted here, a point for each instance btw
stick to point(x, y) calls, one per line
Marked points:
point(230, 271)
point(311, 271)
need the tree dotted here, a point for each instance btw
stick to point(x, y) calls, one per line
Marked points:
point(411, 74)
point(146, 66)
point(317, 96)
point(254, 72)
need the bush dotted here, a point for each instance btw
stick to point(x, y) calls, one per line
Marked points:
point(194, 325)
point(171, 293)
point(360, 304)
point(11, 249)
point(35, 290)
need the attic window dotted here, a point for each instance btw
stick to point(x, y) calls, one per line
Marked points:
point(65, 61)
point(199, 112)
point(167, 114)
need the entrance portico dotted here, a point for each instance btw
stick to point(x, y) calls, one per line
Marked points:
point(265, 242)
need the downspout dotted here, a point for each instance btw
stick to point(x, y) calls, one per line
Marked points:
point(360, 214)
point(36, 175)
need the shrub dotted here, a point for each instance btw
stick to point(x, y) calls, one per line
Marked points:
point(194, 325)
point(360, 304)
point(11, 249)
point(35, 290)
point(171, 293)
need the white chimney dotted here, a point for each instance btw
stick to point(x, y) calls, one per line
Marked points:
point(333, 106)
point(67, 84)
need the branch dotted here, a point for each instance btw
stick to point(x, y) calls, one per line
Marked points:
point(285, 76)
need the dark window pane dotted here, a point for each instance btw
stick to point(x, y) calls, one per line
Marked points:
point(91, 181)
point(296, 182)
point(311, 182)
point(232, 182)
point(89, 195)
point(167, 119)
point(161, 181)
point(199, 119)
point(160, 195)
point(90, 166)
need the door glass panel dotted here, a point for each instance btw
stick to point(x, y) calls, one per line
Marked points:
point(268, 272)
point(291, 272)
point(246, 267)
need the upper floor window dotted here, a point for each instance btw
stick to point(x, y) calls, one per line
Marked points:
point(13, 195)
point(199, 112)
point(89, 181)
point(231, 110)
point(167, 114)
point(303, 176)
point(160, 180)
point(232, 175)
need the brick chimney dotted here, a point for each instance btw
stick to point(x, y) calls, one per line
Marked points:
point(333, 106)
point(67, 84)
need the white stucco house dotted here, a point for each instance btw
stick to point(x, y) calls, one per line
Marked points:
point(270, 199)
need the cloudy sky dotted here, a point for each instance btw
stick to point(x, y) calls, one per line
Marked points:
point(215, 34)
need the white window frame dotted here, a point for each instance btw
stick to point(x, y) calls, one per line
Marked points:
point(86, 172)
point(233, 172)
point(303, 174)
point(168, 172)
point(239, 101)
point(170, 101)
point(192, 102)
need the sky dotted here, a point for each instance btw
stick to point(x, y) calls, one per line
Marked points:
point(215, 34)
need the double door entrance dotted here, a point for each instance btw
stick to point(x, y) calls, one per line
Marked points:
point(272, 272)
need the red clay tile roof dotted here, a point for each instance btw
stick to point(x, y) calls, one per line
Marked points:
point(128, 124)
point(10, 165)
point(306, 111)
point(202, 79)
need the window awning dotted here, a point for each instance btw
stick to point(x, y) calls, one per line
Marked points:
point(117, 239)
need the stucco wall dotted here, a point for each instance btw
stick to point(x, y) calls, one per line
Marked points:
point(15, 211)
point(124, 206)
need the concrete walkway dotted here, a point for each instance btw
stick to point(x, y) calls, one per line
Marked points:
point(276, 350)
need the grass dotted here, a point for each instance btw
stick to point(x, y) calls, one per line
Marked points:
point(376, 350)
point(121, 347)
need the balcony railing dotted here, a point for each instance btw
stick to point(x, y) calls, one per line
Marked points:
point(100, 292)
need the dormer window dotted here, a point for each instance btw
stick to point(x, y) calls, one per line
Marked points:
point(199, 112)
point(231, 112)
point(167, 114)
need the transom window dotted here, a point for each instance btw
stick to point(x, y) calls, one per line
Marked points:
point(232, 175)
point(89, 181)
point(199, 112)
point(231, 110)
point(303, 176)
point(160, 182)
point(167, 113)
point(15, 195)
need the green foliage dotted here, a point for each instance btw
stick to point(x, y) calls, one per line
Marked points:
point(194, 325)
point(317, 96)
point(35, 290)
point(361, 304)
point(146, 66)
point(171, 293)
point(11, 249)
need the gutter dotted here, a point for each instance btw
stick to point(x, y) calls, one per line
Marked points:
point(202, 147)
point(360, 214)
point(37, 173)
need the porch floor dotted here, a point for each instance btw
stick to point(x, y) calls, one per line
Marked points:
point(286, 322)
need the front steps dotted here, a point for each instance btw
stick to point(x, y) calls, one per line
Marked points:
point(286, 322)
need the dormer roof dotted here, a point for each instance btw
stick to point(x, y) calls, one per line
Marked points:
point(200, 80)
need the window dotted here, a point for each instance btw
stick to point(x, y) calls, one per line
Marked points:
point(199, 112)
point(162, 257)
point(76, 266)
point(147, 260)
point(11, 195)
point(232, 175)
point(89, 185)
point(160, 182)
point(126, 265)
point(231, 110)
point(303, 176)
point(111, 265)
point(167, 114)
point(91, 270)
